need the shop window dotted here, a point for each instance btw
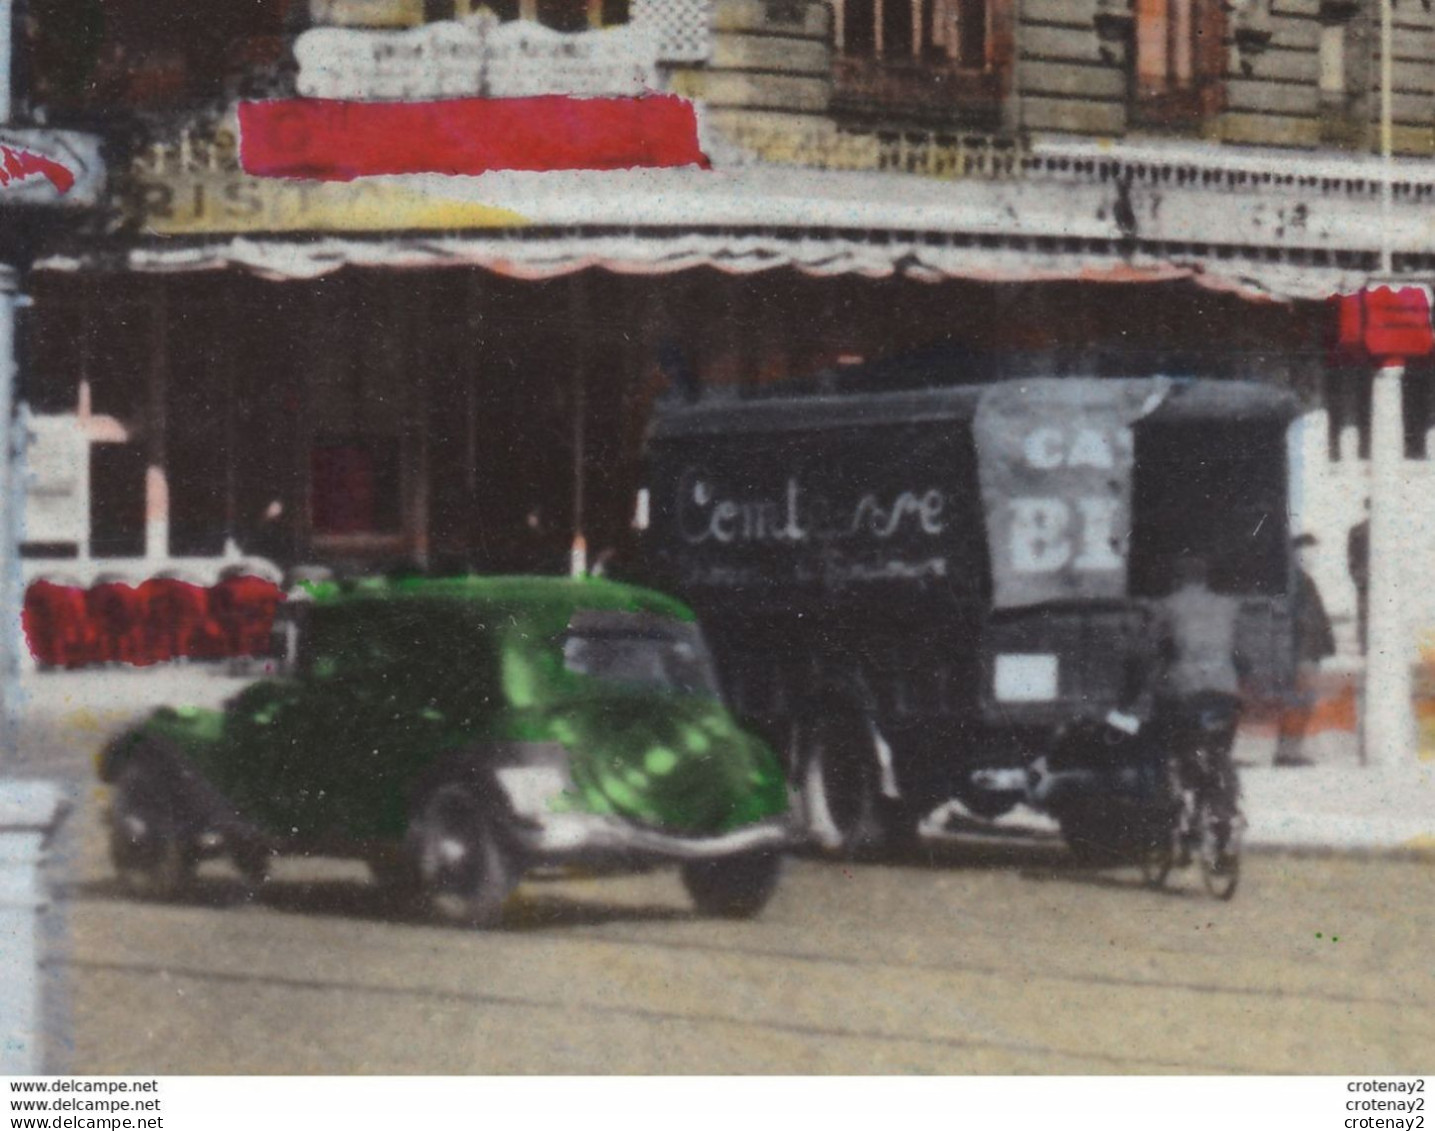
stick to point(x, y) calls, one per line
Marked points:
point(355, 485)
point(117, 500)
point(118, 355)
point(51, 348)
point(1178, 61)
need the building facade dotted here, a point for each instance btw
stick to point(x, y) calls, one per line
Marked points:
point(433, 370)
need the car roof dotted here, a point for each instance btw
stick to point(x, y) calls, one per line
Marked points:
point(529, 596)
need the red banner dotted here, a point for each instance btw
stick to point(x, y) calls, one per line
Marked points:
point(327, 140)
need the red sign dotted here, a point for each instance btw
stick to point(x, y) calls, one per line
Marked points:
point(1387, 321)
point(16, 164)
point(319, 139)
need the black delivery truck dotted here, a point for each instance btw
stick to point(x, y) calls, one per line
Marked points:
point(943, 593)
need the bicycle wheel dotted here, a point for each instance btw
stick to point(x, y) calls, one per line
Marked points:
point(1164, 835)
point(1158, 856)
point(1220, 848)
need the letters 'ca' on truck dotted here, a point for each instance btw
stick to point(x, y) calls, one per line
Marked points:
point(919, 594)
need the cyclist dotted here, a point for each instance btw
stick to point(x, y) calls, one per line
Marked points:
point(1198, 692)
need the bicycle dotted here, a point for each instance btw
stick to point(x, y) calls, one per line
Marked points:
point(1200, 818)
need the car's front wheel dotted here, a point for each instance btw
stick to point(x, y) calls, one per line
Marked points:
point(150, 846)
point(733, 887)
point(464, 870)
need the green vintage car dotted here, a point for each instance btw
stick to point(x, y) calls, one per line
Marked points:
point(455, 733)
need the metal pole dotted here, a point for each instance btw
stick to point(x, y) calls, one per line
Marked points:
point(583, 341)
point(1387, 131)
point(7, 17)
point(11, 500)
point(1388, 725)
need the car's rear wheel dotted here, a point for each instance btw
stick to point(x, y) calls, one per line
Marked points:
point(734, 887)
point(150, 843)
point(463, 869)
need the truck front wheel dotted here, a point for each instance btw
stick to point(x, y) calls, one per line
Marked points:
point(843, 808)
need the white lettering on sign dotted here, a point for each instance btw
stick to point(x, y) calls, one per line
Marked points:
point(1098, 534)
point(701, 516)
point(1039, 542)
point(477, 56)
point(1049, 448)
point(927, 509)
point(1043, 539)
point(705, 516)
point(1043, 449)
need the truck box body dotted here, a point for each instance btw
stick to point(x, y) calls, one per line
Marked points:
point(967, 567)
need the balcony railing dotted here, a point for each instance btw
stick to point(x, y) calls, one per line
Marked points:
point(916, 92)
point(941, 155)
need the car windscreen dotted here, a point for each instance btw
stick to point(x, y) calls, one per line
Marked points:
point(639, 651)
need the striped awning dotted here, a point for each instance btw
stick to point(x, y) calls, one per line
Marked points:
point(876, 225)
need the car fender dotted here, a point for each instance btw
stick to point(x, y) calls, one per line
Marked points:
point(115, 754)
point(190, 794)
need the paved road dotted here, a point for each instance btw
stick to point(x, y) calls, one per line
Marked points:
point(978, 959)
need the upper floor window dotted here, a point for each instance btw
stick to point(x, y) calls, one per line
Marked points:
point(84, 55)
point(951, 32)
point(1178, 61)
point(560, 15)
point(924, 63)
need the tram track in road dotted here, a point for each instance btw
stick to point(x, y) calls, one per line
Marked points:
point(656, 1016)
point(627, 955)
point(668, 928)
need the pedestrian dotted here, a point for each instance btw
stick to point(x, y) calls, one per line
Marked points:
point(1357, 558)
point(273, 537)
point(1313, 642)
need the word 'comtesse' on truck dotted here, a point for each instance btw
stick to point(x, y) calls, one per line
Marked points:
point(922, 595)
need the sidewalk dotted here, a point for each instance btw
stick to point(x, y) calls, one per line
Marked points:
point(1334, 805)
point(1337, 803)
